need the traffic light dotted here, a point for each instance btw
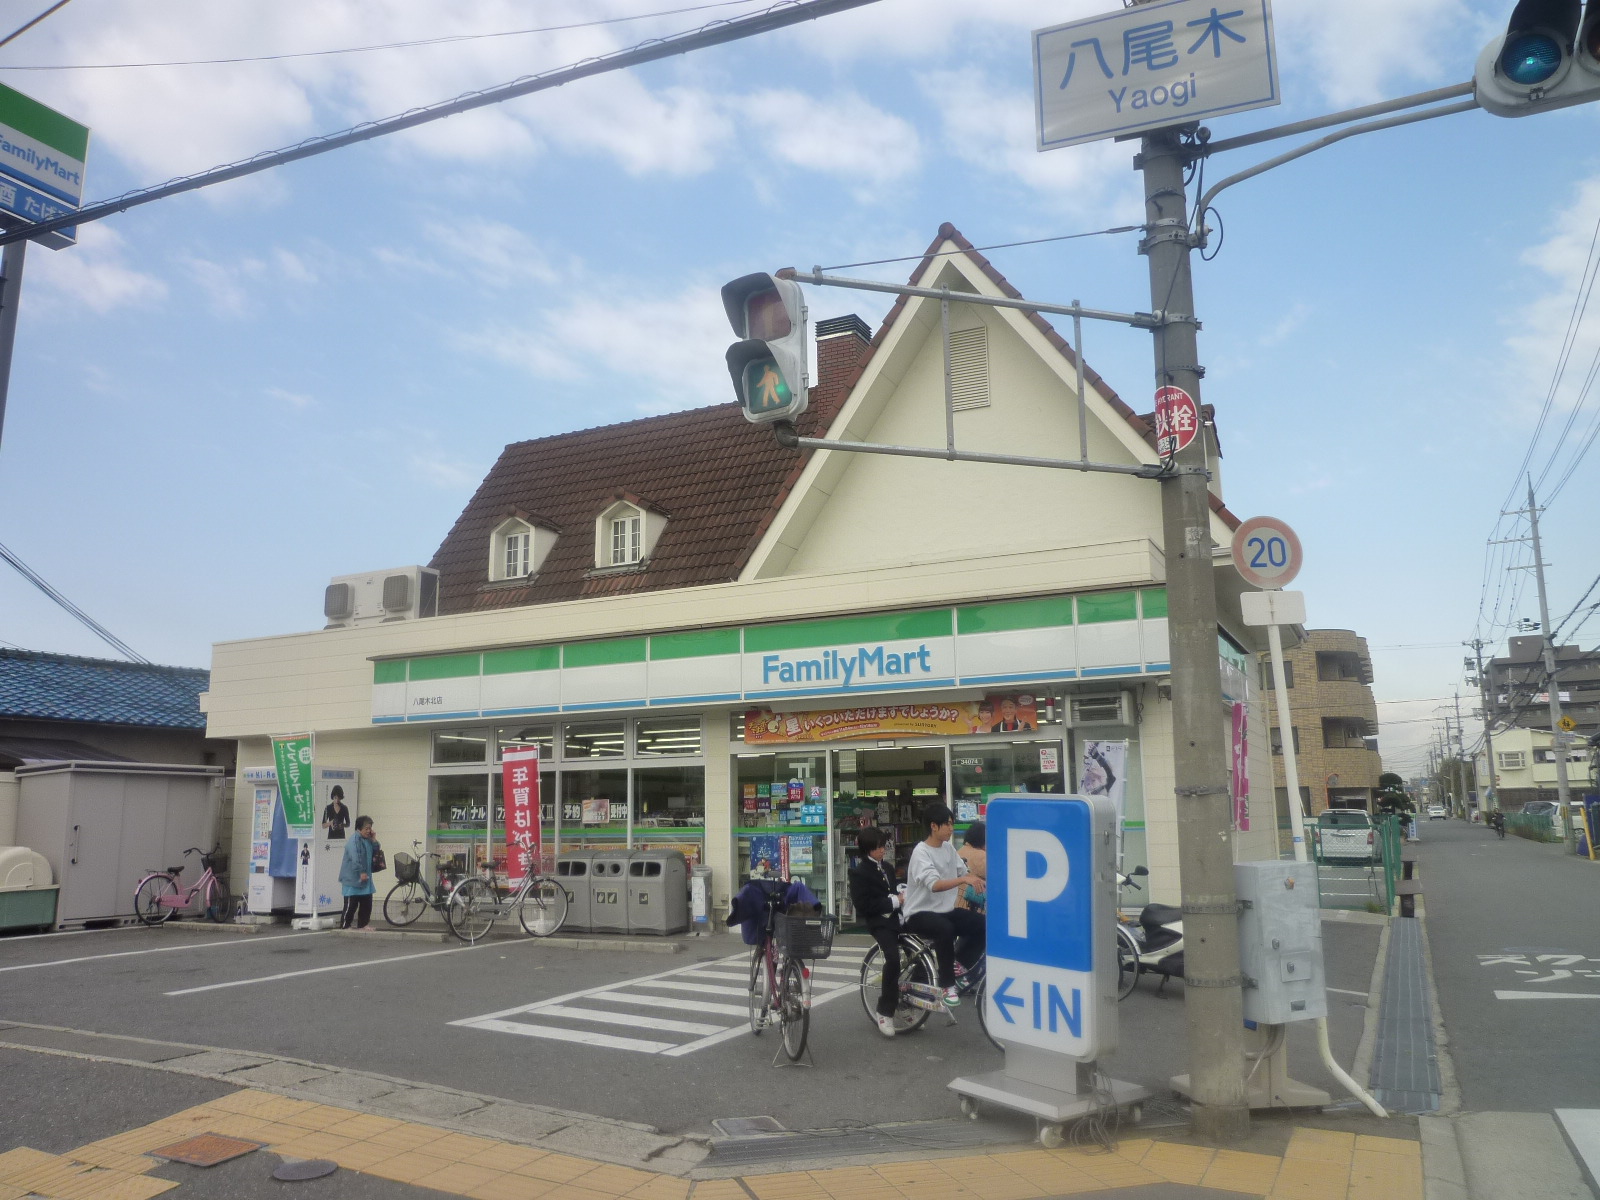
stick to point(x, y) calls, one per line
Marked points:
point(1548, 57)
point(768, 363)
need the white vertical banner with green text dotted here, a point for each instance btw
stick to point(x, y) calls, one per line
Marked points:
point(292, 756)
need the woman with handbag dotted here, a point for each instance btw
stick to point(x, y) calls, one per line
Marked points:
point(362, 858)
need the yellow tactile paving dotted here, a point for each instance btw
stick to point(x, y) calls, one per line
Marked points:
point(1316, 1165)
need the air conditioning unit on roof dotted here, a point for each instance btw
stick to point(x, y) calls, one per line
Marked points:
point(1106, 708)
point(377, 597)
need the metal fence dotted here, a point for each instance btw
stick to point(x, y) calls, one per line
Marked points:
point(1364, 887)
point(1535, 828)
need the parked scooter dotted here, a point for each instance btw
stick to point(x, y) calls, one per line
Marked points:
point(1152, 944)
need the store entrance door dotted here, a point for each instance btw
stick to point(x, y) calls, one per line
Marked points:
point(882, 788)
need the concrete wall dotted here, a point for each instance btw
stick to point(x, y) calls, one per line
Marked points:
point(8, 809)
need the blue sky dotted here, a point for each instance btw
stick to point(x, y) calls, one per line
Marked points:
point(221, 400)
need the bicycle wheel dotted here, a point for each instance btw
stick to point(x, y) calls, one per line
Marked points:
point(219, 902)
point(472, 910)
point(759, 992)
point(147, 904)
point(983, 1014)
point(544, 907)
point(793, 1010)
point(1127, 963)
point(404, 903)
point(915, 967)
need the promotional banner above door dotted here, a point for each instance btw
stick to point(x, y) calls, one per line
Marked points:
point(1009, 713)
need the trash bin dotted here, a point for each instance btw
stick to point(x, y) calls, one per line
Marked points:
point(27, 889)
point(658, 892)
point(608, 891)
point(572, 869)
point(700, 899)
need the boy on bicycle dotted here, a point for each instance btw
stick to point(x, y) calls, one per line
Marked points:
point(934, 878)
point(873, 895)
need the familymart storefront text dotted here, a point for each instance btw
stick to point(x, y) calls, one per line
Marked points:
point(765, 748)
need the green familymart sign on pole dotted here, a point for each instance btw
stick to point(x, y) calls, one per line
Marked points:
point(42, 157)
point(292, 756)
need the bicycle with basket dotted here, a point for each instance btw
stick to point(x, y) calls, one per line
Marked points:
point(412, 895)
point(780, 979)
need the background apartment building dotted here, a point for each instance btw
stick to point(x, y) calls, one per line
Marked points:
point(1519, 690)
point(1334, 723)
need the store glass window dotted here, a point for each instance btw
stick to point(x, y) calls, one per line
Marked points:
point(986, 769)
point(455, 746)
point(542, 736)
point(594, 810)
point(667, 736)
point(781, 818)
point(460, 810)
point(670, 809)
point(600, 739)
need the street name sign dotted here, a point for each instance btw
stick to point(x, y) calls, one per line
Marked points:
point(42, 157)
point(1159, 64)
point(1052, 903)
point(1266, 552)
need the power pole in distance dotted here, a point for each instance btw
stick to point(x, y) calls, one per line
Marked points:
point(1552, 689)
point(1492, 800)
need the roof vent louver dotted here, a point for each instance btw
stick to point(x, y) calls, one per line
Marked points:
point(969, 368)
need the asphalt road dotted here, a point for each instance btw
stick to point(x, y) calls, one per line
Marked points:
point(1516, 958)
point(395, 1008)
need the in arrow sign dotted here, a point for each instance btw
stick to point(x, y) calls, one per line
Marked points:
point(1001, 999)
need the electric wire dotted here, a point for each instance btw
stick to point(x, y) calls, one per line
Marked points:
point(39, 581)
point(446, 39)
point(1064, 237)
point(22, 29)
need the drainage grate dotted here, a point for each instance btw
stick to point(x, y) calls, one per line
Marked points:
point(206, 1149)
point(1405, 1061)
point(737, 1127)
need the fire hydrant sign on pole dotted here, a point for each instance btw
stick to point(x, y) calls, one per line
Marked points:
point(1177, 420)
point(1159, 64)
point(1051, 903)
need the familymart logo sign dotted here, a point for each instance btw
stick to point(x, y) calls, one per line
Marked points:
point(848, 668)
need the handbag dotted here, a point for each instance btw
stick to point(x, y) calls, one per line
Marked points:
point(380, 861)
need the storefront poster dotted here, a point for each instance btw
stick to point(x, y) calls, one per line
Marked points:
point(766, 854)
point(292, 756)
point(1239, 777)
point(597, 811)
point(520, 787)
point(999, 713)
point(1049, 760)
point(1103, 772)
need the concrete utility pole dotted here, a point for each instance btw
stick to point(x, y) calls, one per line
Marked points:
point(1492, 800)
point(1213, 1003)
point(1553, 690)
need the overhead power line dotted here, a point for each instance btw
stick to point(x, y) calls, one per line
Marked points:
point(22, 29)
point(716, 33)
point(39, 581)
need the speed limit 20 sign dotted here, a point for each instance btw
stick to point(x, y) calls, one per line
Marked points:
point(1266, 552)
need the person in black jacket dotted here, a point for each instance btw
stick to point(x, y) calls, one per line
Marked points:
point(876, 903)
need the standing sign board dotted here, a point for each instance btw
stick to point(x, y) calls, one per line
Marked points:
point(520, 787)
point(292, 756)
point(1052, 906)
point(1159, 64)
point(42, 156)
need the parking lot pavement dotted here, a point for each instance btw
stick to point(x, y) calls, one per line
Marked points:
point(417, 1011)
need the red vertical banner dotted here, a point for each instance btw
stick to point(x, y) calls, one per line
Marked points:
point(1240, 781)
point(520, 787)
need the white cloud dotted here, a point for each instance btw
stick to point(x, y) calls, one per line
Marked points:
point(450, 474)
point(1360, 51)
point(292, 399)
point(843, 135)
point(495, 253)
point(94, 273)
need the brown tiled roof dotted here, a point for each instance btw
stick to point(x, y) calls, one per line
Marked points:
point(719, 482)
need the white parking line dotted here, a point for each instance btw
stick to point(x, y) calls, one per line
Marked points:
point(704, 989)
point(1504, 995)
point(349, 966)
point(1346, 992)
point(705, 1006)
point(231, 941)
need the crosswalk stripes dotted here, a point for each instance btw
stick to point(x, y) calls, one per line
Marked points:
point(709, 998)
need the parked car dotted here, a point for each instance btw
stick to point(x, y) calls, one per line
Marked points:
point(1436, 812)
point(1541, 808)
point(1347, 837)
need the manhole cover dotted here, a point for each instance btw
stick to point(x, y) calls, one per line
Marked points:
point(746, 1126)
point(306, 1168)
point(206, 1149)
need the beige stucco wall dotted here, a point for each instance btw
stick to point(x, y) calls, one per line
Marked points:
point(8, 809)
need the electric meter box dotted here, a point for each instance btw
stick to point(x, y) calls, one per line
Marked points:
point(1280, 942)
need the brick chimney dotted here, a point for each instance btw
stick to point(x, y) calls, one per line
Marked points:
point(842, 344)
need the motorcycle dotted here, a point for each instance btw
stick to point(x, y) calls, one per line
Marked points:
point(1498, 821)
point(1151, 944)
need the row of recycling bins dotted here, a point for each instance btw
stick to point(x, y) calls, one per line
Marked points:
point(625, 891)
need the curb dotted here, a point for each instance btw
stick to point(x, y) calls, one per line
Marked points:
point(1444, 1174)
point(1361, 1067)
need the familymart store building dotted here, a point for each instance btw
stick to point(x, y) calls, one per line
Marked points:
point(756, 747)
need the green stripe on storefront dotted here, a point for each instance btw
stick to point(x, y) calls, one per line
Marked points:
point(603, 654)
point(389, 672)
point(1153, 603)
point(883, 627)
point(1052, 611)
point(1107, 606)
point(523, 658)
point(700, 644)
point(446, 666)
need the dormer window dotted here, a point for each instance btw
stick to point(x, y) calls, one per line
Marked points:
point(626, 532)
point(517, 549)
point(627, 542)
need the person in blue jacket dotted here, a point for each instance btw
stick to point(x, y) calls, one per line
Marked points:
point(355, 877)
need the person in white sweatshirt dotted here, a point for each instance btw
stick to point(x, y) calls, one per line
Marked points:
point(934, 878)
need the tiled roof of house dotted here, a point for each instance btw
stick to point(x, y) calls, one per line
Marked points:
point(718, 481)
point(64, 687)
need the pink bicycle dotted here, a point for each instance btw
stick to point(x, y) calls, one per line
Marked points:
point(159, 896)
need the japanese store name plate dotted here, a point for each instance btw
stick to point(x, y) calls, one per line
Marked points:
point(1152, 66)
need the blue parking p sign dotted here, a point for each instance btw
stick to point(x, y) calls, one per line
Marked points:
point(1051, 907)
